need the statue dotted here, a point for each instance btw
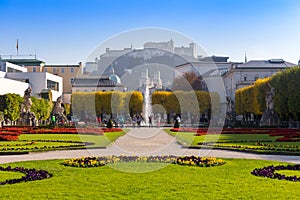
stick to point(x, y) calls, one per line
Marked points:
point(269, 97)
point(58, 110)
point(27, 118)
point(230, 114)
point(230, 104)
point(27, 103)
point(270, 117)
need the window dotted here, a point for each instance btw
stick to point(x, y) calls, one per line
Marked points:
point(54, 70)
point(72, 70)
point(52, 85)
point(62, 70)
point(34, 69)
point(255, 78)
point(245, 78)
point(12, 70)
point(45, 70)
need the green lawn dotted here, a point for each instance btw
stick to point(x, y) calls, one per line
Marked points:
point(230, 181)
point(259, 143)
point(46, 142)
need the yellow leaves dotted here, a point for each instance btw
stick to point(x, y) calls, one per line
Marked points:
point(186, 102)
point(107, 102)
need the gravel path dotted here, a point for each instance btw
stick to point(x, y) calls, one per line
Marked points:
point(145, 141)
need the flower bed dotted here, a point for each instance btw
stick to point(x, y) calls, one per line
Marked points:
point(269, 172)
point(30, 175)
point(57, 130)
point(288, 135)
point(9, 136)
point(101, 161)
point(29, 145)
point(199, 161)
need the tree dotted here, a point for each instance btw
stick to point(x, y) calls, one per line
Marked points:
point(136, 102)
point(260, 89)
point(279, 81)
point(41, 108)
point(293, 86)
point(10, 105)
point(1, 116)
point(187, 82)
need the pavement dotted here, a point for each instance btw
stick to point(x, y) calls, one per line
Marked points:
point(145, 142)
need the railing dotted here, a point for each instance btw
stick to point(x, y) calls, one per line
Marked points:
point(20, 56)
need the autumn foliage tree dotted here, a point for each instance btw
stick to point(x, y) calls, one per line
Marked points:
point(187, 82)
point(111, 102)
point(184, 102)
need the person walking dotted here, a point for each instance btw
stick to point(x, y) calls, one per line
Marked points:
point(134, 119)
point(150, 121)
point(53, 120)
point(158, 120)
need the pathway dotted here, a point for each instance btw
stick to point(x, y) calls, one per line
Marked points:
point(146, 142)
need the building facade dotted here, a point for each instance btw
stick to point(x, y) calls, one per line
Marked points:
point(39, 81)
point(17, 79)
point(9, 85)
point(245, 74)
point(33, 65)
point(93, 84)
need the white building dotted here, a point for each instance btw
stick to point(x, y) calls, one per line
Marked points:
point(97, 83)
point(40, 81)
point(9, 85)
point(16, 79)
point(242, 75)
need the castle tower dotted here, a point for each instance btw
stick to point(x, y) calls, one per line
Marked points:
point(193, 49)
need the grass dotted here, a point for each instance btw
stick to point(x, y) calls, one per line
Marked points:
point(289, 172)
point(9, 175)
point(46, 142)
point(230, 181)
point(257, 143)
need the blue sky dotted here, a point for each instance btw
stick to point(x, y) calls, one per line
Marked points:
point(66, 31)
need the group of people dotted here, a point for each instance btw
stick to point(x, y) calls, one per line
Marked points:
point(137, 120)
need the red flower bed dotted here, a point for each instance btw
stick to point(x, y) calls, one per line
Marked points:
point(57, 130)
point(289, 135)
point(111, 130)
point(9, 136)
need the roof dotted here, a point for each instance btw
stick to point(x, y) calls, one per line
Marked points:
point(62, 65)
point(215, 59)
point(266, 64)
point(204, 66)
point(95, 82)
point(115, 78)
point(24, 62)
point(216, 72)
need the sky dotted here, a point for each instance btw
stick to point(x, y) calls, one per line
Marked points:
point(66, 31)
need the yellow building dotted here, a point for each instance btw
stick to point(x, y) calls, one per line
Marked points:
point(67, 72)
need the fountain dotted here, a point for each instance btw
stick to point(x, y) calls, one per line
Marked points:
point(147, 104)
point(145, 84)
